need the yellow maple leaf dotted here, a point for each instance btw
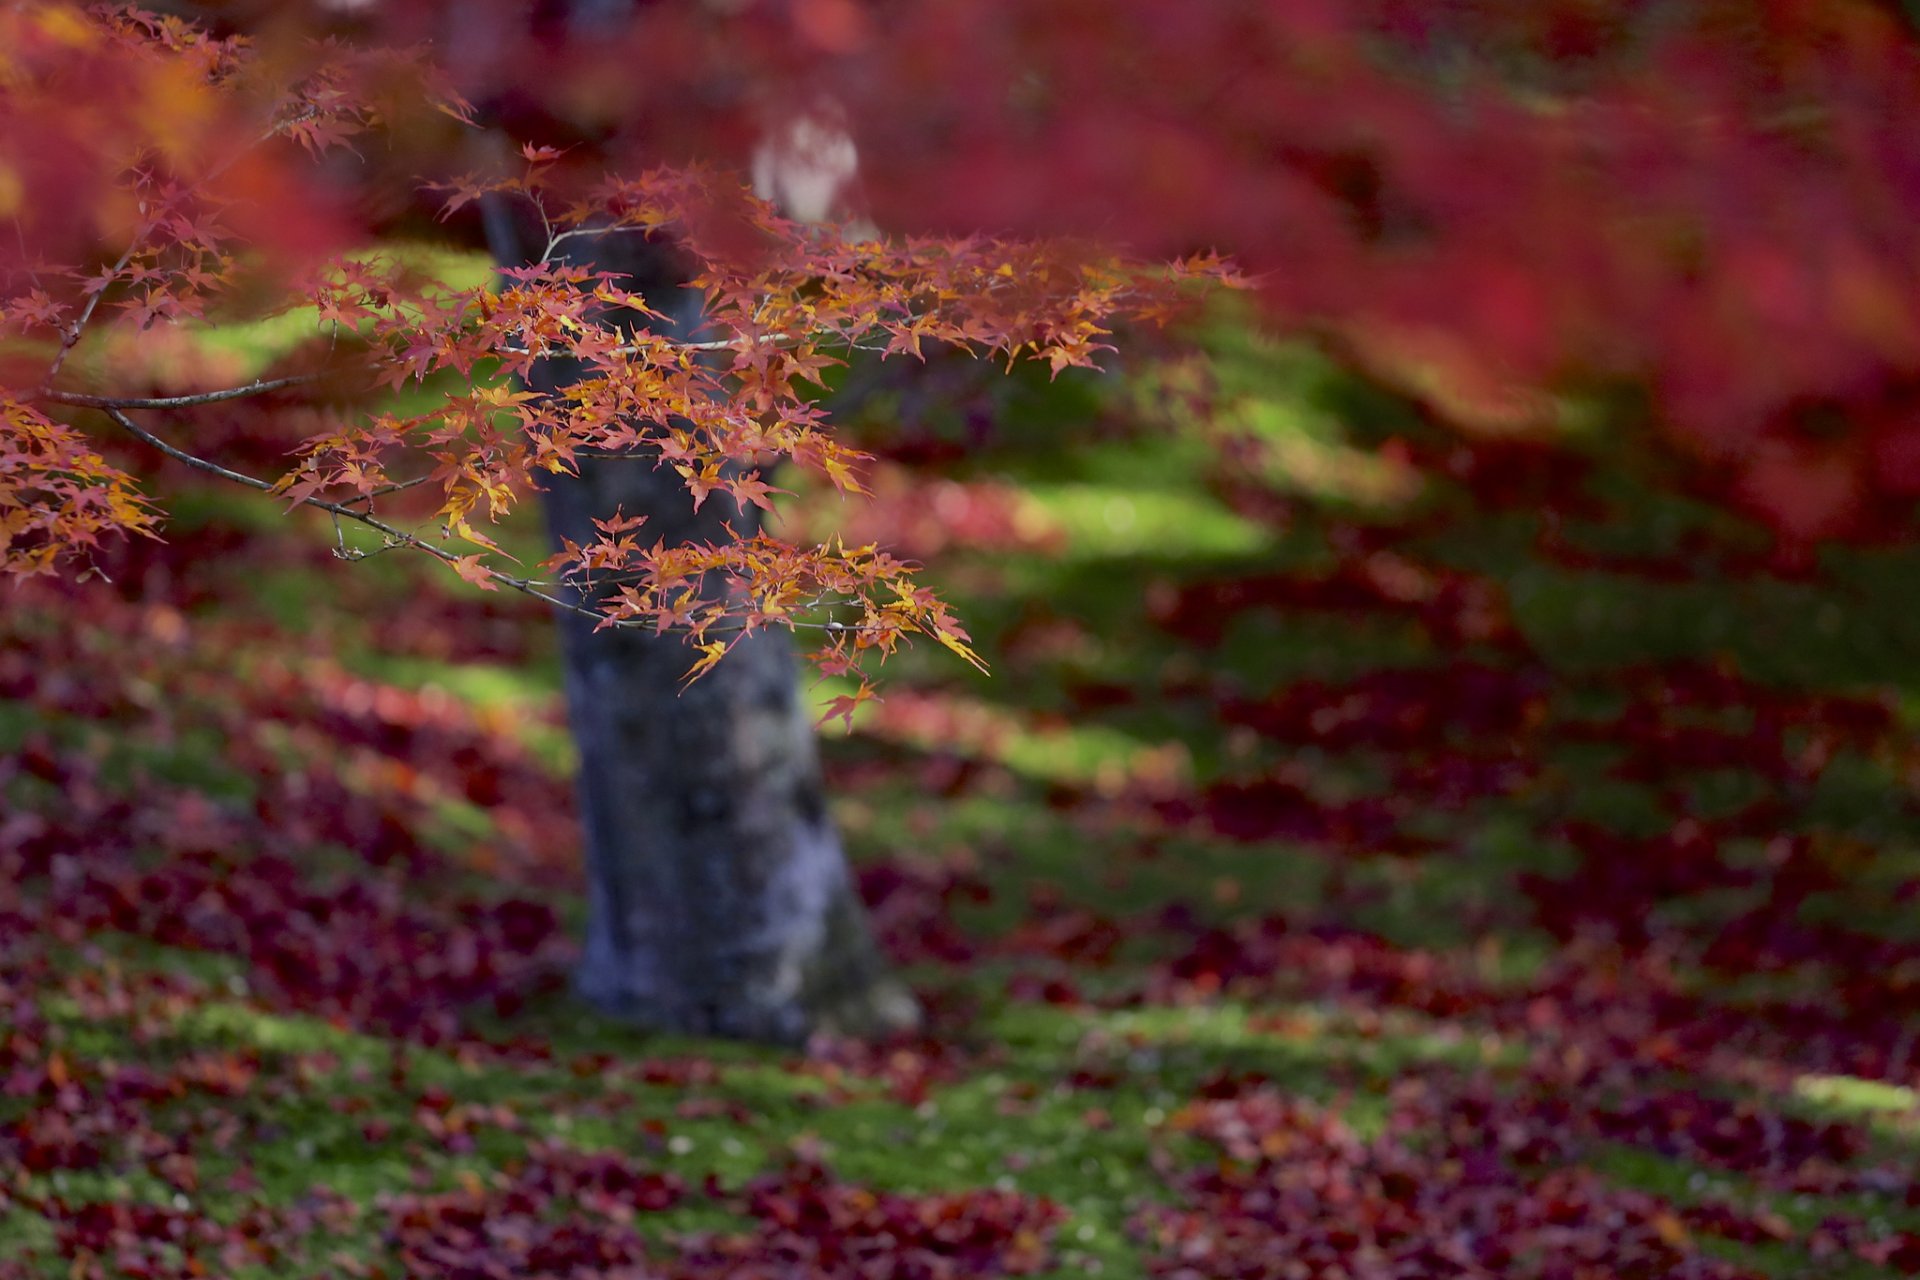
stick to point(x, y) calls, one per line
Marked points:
point(711, 652)
point(960, 647)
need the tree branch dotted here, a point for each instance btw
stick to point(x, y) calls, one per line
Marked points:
point(71, 337)
point(393, 534)
point(175, 402)
point(397, 537)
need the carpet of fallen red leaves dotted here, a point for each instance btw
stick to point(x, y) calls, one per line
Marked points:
point(186, 774)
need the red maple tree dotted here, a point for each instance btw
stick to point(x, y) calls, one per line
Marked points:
point(1704, 207)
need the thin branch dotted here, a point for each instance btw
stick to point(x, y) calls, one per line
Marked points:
point(71, 338)
point(177, 402)
point(554, 240)
point(396, 537)
point(199, 464)
point(399, 486)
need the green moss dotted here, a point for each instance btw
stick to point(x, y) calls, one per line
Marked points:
point(1140, 520)
point(226, 1022)
point(1853, 1097)
point(1112, 520)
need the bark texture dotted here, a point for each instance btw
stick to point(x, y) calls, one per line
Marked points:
point(720, 901)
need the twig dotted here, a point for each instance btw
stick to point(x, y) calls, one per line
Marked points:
point(71, 338)
point(176, 402)
point(554, 240)
point(396, 537)
point(200, 464)
point(398, 486)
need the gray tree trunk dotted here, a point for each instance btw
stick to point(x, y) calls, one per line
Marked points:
point(720, 901)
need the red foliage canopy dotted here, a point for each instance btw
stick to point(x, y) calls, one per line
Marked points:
point(1490, 204)
point(1708, 202)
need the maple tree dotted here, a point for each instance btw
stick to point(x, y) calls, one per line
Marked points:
point(1489, 209)
point(205, 139)
point(1489, 858)
point(780, 297)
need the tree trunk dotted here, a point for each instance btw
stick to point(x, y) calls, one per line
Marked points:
point(720, 902)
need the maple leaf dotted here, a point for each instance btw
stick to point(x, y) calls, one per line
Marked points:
point(711, 652)
point(459, 528)
point(842, 474)
point(473, 569)
point(842, 706)
point(806, 361)
point(946, 635)
point(749, 488)
point(617, 523)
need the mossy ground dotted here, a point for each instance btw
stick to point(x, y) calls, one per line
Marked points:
point(1054, 787)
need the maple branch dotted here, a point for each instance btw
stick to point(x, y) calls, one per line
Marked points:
point(175, 402)
point(397, 537)
point(554, 238)
point(394, 535)
point(399, 486)
point(71, 338)
point(180, 455)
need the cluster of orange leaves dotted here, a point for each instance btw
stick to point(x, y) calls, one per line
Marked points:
point(57, 493)
point(203, 190)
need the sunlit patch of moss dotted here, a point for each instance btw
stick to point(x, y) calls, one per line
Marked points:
point(1308, 1048)
point(520, 693)
point(235, 1023)
point(1851, 1096)
point(1124, 521)
point(1306, 426)
point(1296, 453)
point(1103, 755)
point(30, 1239)
point(453, 823)
point(1088, 753)
point(72, 1034)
